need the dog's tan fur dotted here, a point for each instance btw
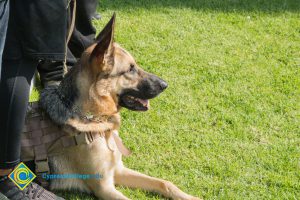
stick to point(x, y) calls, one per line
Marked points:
point(99, 96)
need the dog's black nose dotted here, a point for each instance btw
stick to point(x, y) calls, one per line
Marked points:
point(163, 85)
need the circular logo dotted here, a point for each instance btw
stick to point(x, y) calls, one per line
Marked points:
point(22, 176)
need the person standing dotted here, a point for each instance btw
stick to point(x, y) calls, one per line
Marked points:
point(36, 38)
point(4, 13)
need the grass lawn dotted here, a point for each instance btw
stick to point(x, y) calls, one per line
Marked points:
point(228, 125)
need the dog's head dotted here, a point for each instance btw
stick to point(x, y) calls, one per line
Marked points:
point(115, 73)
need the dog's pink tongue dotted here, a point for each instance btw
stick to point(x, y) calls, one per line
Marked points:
point(145, 102)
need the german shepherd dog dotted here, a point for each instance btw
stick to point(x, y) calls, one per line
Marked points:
point(105, 79)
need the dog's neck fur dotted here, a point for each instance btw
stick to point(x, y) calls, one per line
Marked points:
point(68, 87)
point(71, 99)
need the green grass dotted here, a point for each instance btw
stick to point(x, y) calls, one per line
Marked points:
point(228, 125)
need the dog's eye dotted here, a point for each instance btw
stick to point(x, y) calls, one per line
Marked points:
point(132, 68)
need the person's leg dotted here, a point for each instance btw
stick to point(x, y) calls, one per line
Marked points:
point(52, 72)
point(84, 32)
point(14, 92)
point(92, 6)
point(4, 15)
point(84, 13)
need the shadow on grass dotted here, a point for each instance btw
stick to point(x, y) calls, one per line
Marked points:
point(74, 195)
point(80, 195)
point(268, 6)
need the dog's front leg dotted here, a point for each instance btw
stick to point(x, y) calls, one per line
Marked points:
point(105, 189)
point(134, 179)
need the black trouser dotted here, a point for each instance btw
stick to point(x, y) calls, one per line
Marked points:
point(82, 37)
point(15, 83)
point(4, 13)
point(14, 94)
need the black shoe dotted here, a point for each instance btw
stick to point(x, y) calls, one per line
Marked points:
point(9, 191)
point(96, 16)
point(35, 191)
point(51, 72)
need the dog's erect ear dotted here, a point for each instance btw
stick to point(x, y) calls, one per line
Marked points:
point(109, 28)
point(104, 47)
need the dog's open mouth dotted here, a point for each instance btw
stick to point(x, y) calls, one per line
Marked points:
point(134, 103)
